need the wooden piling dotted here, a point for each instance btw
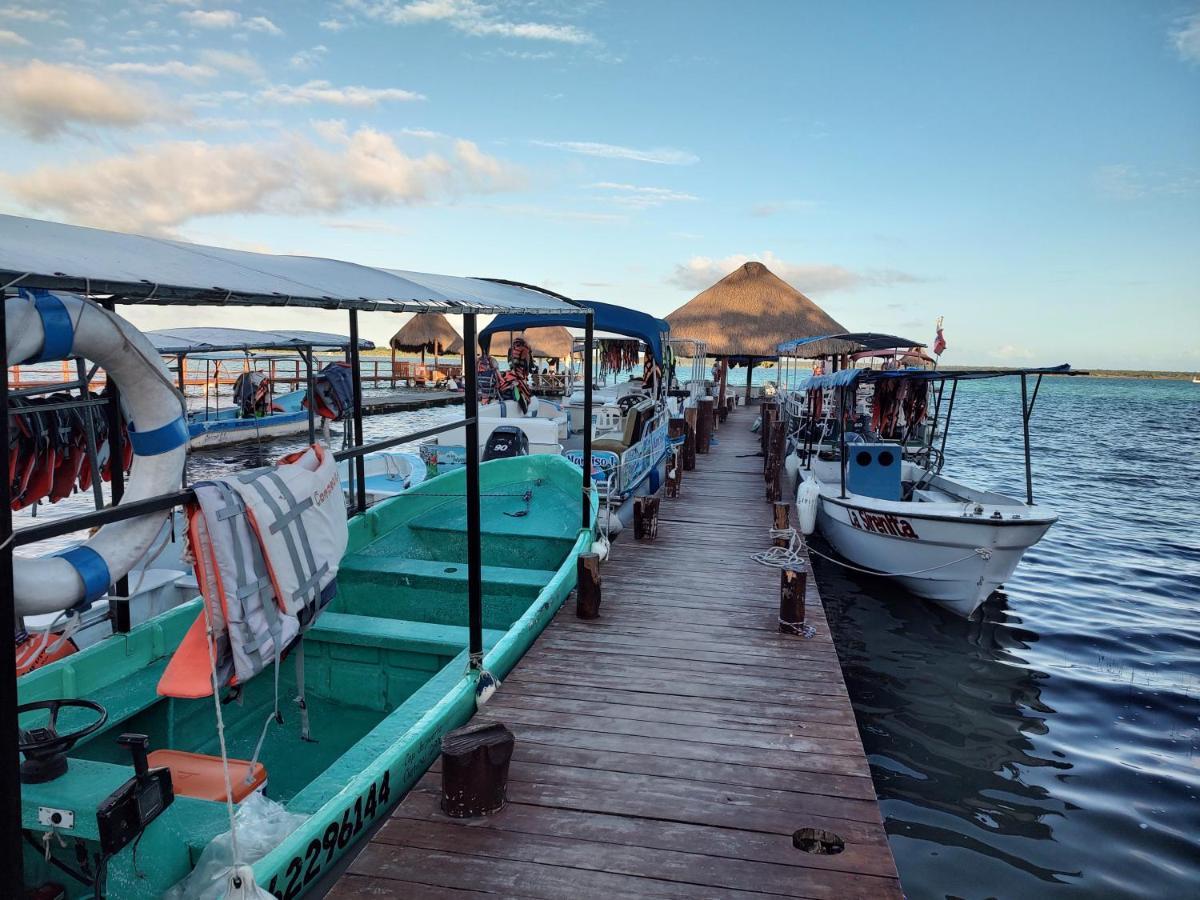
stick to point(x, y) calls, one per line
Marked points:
point(792, 586)
point(645, 518)
point(587, 588)
point(704, 423)
point(674, 473)
point(690, 417)
point(475, 769)
point(782, 511)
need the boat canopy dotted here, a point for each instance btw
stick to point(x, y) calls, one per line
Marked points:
point(215, 340)
point(610, 318)
point(137, 269)
point(847, 342)
point(847, 377)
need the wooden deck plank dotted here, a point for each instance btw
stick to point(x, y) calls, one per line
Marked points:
point(670, 748)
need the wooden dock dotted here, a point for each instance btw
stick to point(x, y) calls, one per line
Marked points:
point(405, 401)
point(674, 747)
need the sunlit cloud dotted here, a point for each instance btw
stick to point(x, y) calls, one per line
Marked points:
point(467, 16)
point(640, 197)
point(1185, 37)
point(44, 100)
point(324, 92)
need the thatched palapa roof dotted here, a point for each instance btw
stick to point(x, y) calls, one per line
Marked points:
point(550, 342)
point(750, 312)
point(427, 333)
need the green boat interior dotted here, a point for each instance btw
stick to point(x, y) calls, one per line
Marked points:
point(390, 647)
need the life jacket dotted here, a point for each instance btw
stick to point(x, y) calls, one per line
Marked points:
point(36, 469)
point(266, 546)
point(100, 431)
point(252, 393)
point(333, 390)
point(486, 378)
point(512, 385)
point(520, 356)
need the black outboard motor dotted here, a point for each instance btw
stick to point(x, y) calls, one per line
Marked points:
point(506, 441)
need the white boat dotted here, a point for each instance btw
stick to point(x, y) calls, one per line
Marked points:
point(947, 542)
point(387, 473)
point(881, 501)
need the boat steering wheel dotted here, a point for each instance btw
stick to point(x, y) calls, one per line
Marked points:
point(930, 459)
point(44, 748)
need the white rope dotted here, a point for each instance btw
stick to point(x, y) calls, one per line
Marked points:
point(216, 693)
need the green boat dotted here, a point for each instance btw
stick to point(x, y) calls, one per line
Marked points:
point(386, 676)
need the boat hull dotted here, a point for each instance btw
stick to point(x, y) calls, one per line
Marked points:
point(950, 559)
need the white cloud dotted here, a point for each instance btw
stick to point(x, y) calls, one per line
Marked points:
point(664, 156)
point(306, 59)
point(44, 100)
point(173, 68)
point(238, 63)
point(74, 45)
point(157, 188)
point(11, 39)
point(324, 92)
point(1122, 181)
point(1011, 351)
point(16, 13)
point(363, 225)
point(334, 25)
point(1185, 37)
point(469, 17)
point(211, 18)
point(639, 197)
point(816, 278)
point(264, 25)
point(765, 210)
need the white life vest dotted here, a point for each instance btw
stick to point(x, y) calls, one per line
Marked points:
point(266, 546)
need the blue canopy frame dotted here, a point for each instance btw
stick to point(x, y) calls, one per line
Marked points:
point(616, 319)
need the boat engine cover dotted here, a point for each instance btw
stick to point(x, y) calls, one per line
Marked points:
point(506, 441)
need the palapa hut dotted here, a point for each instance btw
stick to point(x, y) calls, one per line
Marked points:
point(746, 315)
point(426, 333)
point(550, 342)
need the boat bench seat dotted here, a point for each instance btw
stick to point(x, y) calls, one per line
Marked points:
point(443, 570)
point(131, 694)
point(396, 634)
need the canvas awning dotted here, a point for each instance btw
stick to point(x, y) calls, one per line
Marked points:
point(845, 342)
point(607, 317)
point(214, 340)
point(139, 269)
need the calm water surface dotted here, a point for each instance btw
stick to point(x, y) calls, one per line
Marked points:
point(1049, 748)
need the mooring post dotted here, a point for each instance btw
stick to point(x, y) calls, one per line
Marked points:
point(645, 518)
point(782, 511)
point(475, 762)
point(674, 473)
point(704, 423)
point(792, 585)
point(587, 587)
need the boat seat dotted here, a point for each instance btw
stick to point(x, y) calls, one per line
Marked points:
point(445, 570)
point(203, 777)
point(396, 634)
point(634, 419)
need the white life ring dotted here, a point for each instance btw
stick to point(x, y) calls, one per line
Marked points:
point(44, 327)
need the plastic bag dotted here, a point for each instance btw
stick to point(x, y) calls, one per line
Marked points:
point(262, 825)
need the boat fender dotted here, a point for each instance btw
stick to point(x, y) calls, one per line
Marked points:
point(601, 547)
point(791, 467)
point(43, 327)
point(807, 497)
point(655, 480)
point(485, 687)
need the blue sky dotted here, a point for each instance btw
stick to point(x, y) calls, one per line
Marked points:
point(1030, 171)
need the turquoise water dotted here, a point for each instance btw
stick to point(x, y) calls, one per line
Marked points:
point(1049, 748)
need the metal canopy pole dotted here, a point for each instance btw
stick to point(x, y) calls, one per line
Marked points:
point(116, 465)
point(841, 413)
point(360, 476)
point(11, 857)
point(1025, 430)
point(474, 547)
point(589, 321)
point(307, 354)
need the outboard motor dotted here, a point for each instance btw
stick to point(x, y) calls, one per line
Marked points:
point(506, 441)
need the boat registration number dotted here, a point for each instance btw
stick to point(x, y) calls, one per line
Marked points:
point(882, 523)
point(304, 868)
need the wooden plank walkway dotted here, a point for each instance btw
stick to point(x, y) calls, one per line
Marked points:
point(671, 748)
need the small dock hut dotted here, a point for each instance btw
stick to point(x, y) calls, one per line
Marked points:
point(746, 315)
